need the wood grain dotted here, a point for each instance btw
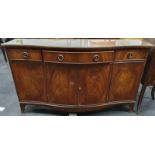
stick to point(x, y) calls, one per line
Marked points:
point(136, 55)
point(93, 83)
point(30, 80)
point(61, 84)
point(18, 54)
point(78, 57)
point(125, 81)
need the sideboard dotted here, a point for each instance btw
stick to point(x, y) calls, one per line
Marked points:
point(77, 75)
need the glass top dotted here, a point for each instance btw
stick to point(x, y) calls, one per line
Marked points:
point(77, 43)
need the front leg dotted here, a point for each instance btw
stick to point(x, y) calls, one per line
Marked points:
point(22, 107)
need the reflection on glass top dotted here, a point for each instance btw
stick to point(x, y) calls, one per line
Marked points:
point(77, 43)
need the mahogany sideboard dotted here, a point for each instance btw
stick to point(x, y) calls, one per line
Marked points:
point(77, 75)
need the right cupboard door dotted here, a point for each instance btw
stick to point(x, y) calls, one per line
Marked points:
point(125, 81)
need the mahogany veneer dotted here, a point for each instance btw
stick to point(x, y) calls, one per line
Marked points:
point(77, 75)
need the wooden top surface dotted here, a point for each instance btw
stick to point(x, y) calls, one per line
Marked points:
point(77, 43)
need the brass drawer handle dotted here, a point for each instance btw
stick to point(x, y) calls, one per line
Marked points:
point(25, 55)
point(130, 55)
point(96, 58)
point(60, 57)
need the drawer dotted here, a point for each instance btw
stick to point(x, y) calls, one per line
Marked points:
point(78, 57)
point(24, 54)
point(130, 55)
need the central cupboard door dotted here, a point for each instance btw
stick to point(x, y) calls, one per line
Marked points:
point(93, 83)
point(62, 84)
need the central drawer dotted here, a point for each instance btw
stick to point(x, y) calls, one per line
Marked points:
point(78, 57)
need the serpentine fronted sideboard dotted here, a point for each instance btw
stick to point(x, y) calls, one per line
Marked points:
point(77, 75)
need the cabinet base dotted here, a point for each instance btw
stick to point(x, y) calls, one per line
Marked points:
point(75, 108)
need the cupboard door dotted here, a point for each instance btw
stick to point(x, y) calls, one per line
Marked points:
point(61, 84)
point(125, 81)
point(93, 83)
point(29, 80)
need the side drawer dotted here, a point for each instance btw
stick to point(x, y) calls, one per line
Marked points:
point(78, 57)
point(130, 55)
point(24, 54)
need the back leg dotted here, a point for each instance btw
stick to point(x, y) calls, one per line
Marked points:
point(153, 92)
point(141, 97)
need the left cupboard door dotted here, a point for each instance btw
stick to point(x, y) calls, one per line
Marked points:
point(29, 80)
point(28, 75)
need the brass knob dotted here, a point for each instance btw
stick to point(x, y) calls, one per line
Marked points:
point(60, 57)
point(25, 55)
point(130, 55)
point(96, 58)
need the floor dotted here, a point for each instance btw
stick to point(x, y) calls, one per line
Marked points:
point(9, 100)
